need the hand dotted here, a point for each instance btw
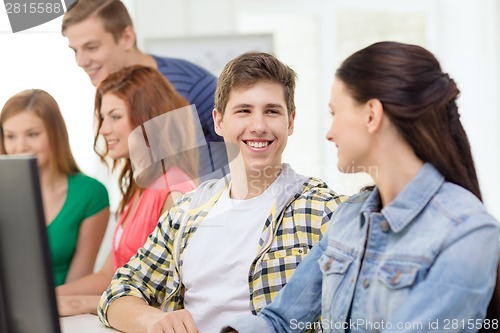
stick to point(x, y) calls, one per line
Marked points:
point(179, 321)
point(68, 306)
point(73, 305)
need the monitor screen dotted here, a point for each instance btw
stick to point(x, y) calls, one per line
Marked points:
point(27, 297)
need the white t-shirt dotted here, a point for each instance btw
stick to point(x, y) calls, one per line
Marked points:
point(217, 259)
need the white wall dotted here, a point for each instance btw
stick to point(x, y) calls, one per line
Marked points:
point(468, 46)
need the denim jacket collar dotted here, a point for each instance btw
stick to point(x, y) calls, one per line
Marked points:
point(410, 201)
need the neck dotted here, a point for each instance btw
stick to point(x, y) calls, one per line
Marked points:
point(139, 58)
point(45, 177)
point(393, 171)
point(48, 183)
point(249, 184)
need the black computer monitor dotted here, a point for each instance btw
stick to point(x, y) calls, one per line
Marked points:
point(27, 297)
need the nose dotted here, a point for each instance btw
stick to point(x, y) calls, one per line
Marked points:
point(21, 146)
point(81, 59)
point(258, 123)
point(105, 128)
point(329, 134)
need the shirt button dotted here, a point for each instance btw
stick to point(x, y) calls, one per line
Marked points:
point(366, 283)
point(384, 226)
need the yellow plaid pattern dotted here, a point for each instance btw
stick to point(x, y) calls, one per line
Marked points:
point(153, 274)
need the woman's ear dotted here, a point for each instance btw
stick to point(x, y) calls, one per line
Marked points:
point(375, 115)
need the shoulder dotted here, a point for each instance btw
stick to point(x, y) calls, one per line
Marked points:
point(154, 194)
point(350, 207)
point(195, 202)
point(317, 189)
point(458, 205)
point(169, 66)
point(81, 179)
point(315, 197)
point(88, 187)
point(88, 193)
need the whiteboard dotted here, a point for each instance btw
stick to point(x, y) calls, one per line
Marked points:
point(209, 52)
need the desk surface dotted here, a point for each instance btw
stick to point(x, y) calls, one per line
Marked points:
point(85, 323)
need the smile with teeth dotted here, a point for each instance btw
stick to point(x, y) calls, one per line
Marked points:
point(258, 144)
point(93, 71)
point(111, 142)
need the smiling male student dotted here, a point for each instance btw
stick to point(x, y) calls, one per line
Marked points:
point(230, 246)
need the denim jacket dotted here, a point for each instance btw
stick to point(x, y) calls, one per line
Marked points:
point(425, 263)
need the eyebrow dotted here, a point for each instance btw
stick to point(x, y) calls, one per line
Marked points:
point(268, 105)
point(274, 105)
point(242, 105)
point(85, 44)
point(109, 112)
point(34, 128)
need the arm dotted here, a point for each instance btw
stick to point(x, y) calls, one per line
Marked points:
point(73, 305)
point(90, 236)
point(150, 276)
point(83, 295)
point(131, 314)
point(92, 284)
point(460, 282)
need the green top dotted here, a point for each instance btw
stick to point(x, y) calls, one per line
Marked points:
point(86, 197)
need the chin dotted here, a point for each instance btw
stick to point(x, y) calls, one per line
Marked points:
point(113, 155)
point(95, 83)
point(346, 168)
point(97, 80)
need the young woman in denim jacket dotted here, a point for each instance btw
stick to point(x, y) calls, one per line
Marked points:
point(416, 253)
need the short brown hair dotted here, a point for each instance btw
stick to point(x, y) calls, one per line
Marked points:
point(113, 14)
point(44, 106)
point(249, 68)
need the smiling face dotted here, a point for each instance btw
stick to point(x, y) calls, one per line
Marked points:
point(96, 51)
point(115, 126)
point(257, 121)
point(25, 133)
point(348, 130)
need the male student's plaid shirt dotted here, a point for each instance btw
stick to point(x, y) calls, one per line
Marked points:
point(153, 274)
